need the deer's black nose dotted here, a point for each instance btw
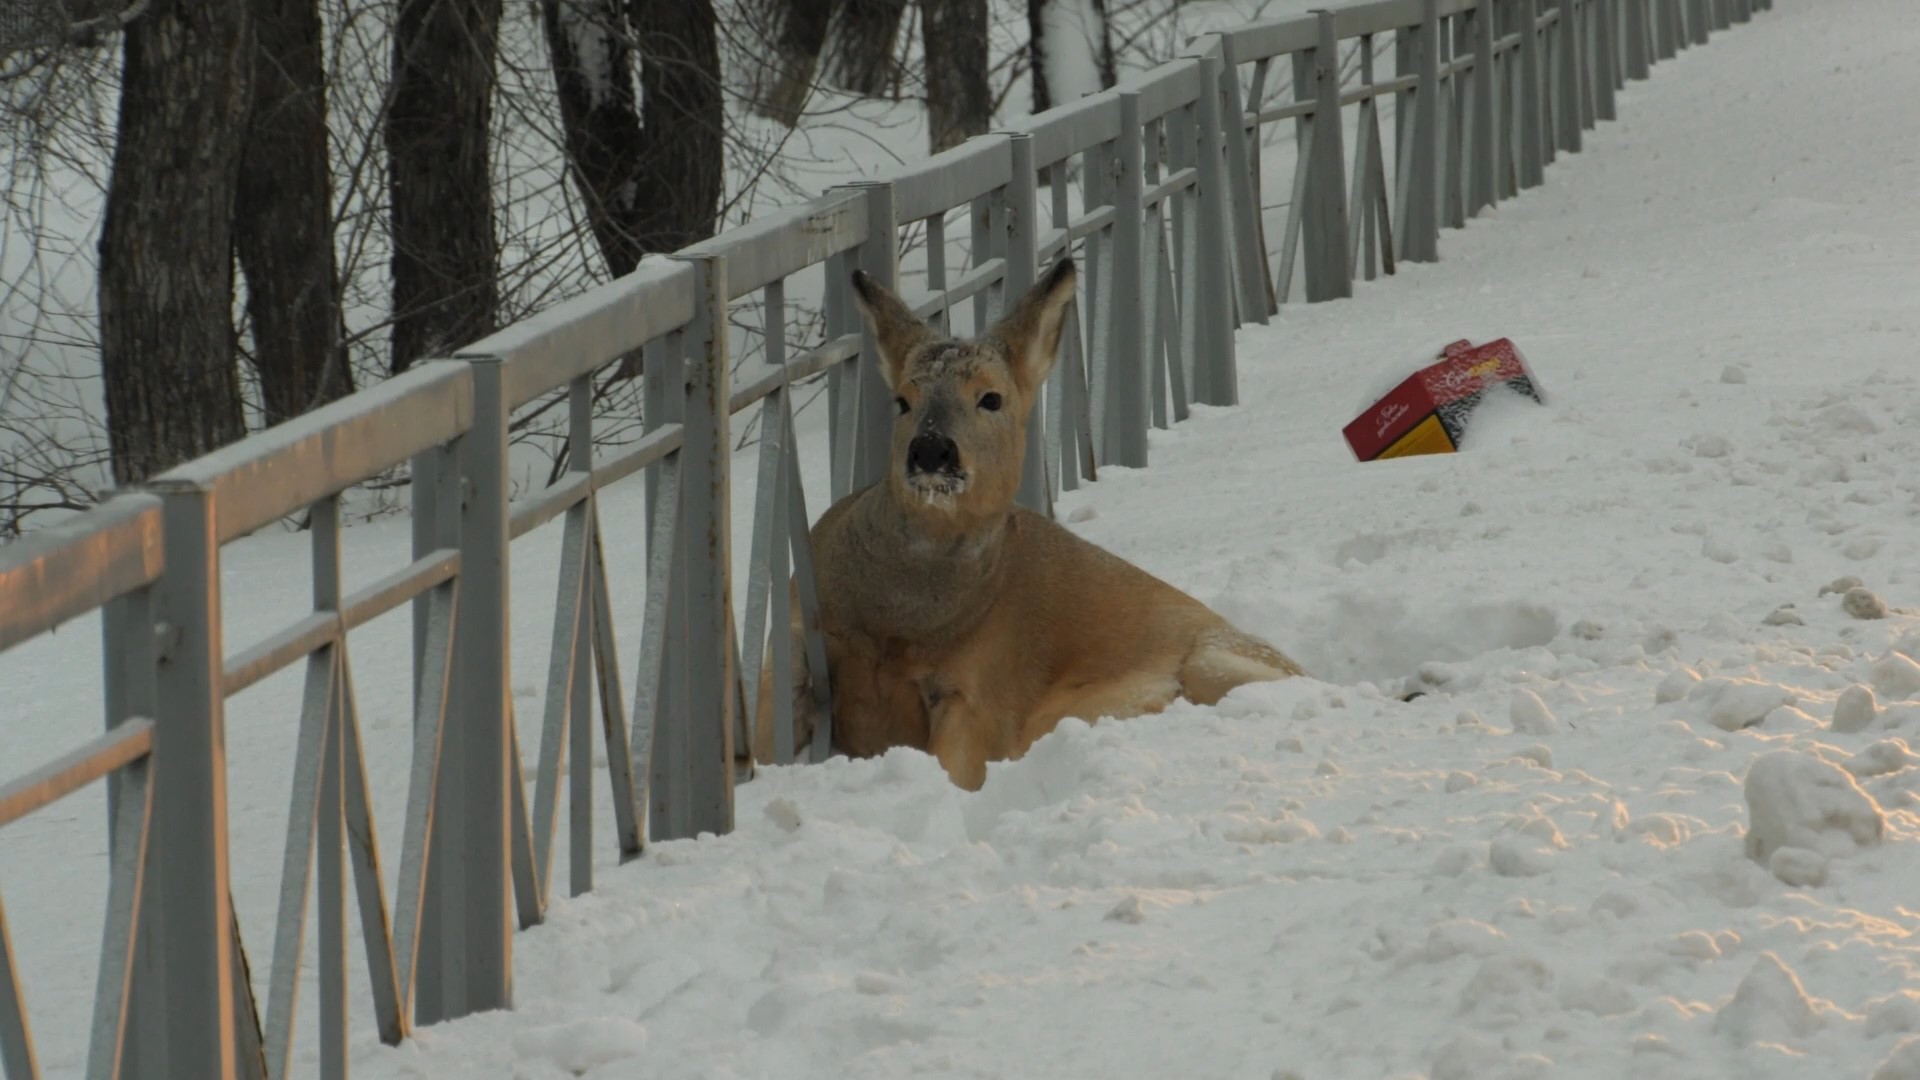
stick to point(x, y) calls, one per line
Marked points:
point(932, 454)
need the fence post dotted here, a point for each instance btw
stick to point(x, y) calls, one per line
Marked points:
point(1638, 62)
point(192, 923)
point(1023, 269)
point(1123, 437)
point(1250, 256)
point(1216, 379)
point(873, 404)
point(706, 535)
point(1530, 106)
point(1606, 58)
point(1567, 42)
point(1420, 223)
point(1324, 224)
point(466, 934)
point(1484, 191)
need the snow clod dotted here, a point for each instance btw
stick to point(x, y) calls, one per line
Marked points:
point(1676, 686)
point(1784, 615)
point(1512, 856)
point(1855, 710)
point(1769, 1004)
point(1896, 676)
point(1861, 603)
point(1903, 1063)
point(1840, 585)
point(1530, 715)
point(1740, 705)
point(1797, 800)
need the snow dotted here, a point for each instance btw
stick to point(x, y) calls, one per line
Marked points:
point(1634, 825)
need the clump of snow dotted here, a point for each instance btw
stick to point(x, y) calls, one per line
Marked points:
point(1737, 704)
point(1770, 1005)
point(1784, 615)
point(1855, 710)
point(1896, 1013)
point(1676, 686)
point(1883, 758)
point(1530, 715)
point(1896, 676)
point(1796, 800)
point(1902, 1064)
point(1861, 603)
point(1840, 585)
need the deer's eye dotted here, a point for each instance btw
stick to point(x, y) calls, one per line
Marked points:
point(990, 402)
point(904, 407)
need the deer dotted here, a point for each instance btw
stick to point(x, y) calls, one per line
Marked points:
point(964, 625)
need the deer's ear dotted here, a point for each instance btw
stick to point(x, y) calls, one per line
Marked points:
point(1031, 331)
point(895, 327)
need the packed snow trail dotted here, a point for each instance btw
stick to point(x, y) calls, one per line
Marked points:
point(1315, 881)
point(1654, 817)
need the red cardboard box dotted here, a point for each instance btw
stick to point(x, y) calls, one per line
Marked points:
point(1428, 412)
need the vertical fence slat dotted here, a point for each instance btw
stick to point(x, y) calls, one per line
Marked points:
point(128, 654)
point(130, 812)
point(16, 1036)
point(1252, 294)
point(1022, 246)
point(1221, 386)
point(1123, 436)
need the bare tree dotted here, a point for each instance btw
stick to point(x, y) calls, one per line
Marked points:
point(860, 55)
point(681, 171)
point(959, 98)
point(283, 219)
point(788, 35)
point(650, 174)
point(166, 247)
point(445, 291)
point(1069, 42)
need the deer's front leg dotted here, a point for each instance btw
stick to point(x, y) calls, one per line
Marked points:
point(960, 736)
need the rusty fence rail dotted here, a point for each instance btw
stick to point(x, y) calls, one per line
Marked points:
point(1169, 220)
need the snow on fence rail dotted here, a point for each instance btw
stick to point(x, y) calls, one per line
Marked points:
point(1172, 235)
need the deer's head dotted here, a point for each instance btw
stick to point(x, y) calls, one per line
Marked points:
point(960, 429)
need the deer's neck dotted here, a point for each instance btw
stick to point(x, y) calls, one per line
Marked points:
point(925, 586)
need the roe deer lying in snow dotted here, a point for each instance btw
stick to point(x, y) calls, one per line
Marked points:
point(961, 624)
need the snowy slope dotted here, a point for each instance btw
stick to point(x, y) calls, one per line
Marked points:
point(1539, 869)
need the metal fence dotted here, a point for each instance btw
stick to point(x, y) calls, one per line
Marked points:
point(1171, 227)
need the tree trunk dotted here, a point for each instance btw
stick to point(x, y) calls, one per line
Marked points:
point(680, 172)
point(787, 36)
point(445, 291)
point(589, 41)
point(861, 59)
point(1070, 46)
point(283, 217)
point(166, 247)
point(959, 100)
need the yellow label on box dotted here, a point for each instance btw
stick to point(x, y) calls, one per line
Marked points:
point(1426, 437)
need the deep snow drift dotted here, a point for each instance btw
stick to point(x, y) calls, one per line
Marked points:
point(1655, 816)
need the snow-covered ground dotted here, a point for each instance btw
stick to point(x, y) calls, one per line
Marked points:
point(1644, 822)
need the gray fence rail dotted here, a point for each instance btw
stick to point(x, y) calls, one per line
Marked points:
point(1169, 221)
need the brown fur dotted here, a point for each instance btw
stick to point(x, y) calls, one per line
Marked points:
point(960, 624)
